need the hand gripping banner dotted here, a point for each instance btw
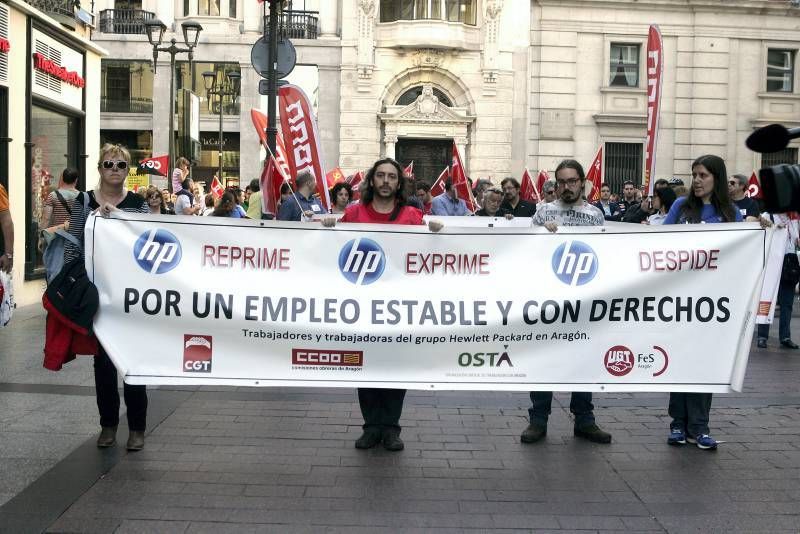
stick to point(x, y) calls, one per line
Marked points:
point(268, 303)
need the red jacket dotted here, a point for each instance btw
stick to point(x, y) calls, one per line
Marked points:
point(64, 339)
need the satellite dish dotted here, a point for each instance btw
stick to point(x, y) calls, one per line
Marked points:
point(287, 58)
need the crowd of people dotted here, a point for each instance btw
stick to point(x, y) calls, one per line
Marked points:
point(387, 196)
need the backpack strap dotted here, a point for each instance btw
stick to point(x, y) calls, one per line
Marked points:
point(63, 201)
point(69, 237)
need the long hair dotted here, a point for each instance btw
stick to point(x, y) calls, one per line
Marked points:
point(368, 192)
point(693, 207)
point(226, 205)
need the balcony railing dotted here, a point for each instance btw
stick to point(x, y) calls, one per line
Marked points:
point(64, 8)
point(130, 105)
point(127, 21)
point(296, 24)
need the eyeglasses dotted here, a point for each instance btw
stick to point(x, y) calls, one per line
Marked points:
point(109, 164)
point(571, 181)
point(495, 190)
point(551, 192)
point(732, 182)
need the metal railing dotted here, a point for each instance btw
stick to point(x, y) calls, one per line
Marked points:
point(124, 21)
point(297, 24)
point(59, 7)
point(130, 105)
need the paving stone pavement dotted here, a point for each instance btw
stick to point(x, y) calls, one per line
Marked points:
point(282, 460)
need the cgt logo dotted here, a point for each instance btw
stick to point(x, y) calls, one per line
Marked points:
point(575, 263)
point(620, 360)
point(157, 251)
point(480, 359)
point(197, 353)
point(362, 261)
point(343, 358)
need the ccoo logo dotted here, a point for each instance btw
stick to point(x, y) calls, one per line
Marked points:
point(157, 251)
point(575, 263)
point(362, 261)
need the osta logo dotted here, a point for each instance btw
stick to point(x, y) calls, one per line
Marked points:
point(575, 263)
point(362, 261)
point(197, 352)
point(157, 251)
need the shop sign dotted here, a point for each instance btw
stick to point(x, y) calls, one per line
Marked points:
point(50, 67)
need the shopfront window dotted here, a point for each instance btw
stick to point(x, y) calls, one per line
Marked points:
point(54, 138)
point(209, 158)
point(127, 87)
point(140, 144)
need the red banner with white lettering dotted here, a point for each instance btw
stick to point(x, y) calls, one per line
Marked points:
point(260, 123)
point(438, 186)
point(655, 71)
point(301, 138)
point(157, 165)
point(216, 188)
point(594, 178)
point(408, 172)
point(754, 187)
point(527, 191)
point(460, 181)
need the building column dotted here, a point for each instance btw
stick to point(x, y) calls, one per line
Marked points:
point(161, 107)
point(390, 141)
point(329, 19)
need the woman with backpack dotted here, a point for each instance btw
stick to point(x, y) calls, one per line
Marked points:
point(110, 195)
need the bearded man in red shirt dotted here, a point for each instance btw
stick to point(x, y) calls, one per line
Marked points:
point(383, 201)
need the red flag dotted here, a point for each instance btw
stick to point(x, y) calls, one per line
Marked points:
point(216, 188)
point(655, 70)
point(527, 190)
point(409, 170)
point(271, 182)
point(754, 187)
point(334, 177)
point(540, 180)
point(438, 186)
point(460, 181)
point(156, 165)
point(260, 124)
point(299, 127)
point(355, 184)
point(595, 177)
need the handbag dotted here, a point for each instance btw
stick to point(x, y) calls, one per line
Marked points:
point(790, 273)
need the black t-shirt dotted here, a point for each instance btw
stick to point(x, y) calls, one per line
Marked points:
point(747, 207)
point(499, 213)
point(523, 209)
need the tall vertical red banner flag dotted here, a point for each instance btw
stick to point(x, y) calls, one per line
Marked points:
point(527, 191)
point(260, 123)
point(301, 138)
point(754, 187)
point(437, 188)
point(460, 182)
point(595, 177)
point(655, 71)
point(540, 180)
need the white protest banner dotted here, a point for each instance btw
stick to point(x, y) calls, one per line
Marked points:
point(262, 303)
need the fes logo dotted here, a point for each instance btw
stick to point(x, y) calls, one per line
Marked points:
point(157, 251)
point(575, 263)
point(362, 261)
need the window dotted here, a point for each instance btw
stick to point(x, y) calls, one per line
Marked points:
point(787, 156)
point(208, 7)
point(138, 142)
point(780, 70)
point(183, 79)
point(126, 86)
point(411, 96)
point(623, 162)
point(624, 65)
point(232, 9)
point(464, 11)
point(209, 158)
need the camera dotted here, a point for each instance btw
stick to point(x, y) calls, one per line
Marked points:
point(780, 185)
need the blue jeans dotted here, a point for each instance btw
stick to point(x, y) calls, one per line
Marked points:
point(690, 412)
point(580, 405)
point(785, 301)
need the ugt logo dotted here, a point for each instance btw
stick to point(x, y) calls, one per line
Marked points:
point(157, 251)
point(362, 261)
point(575, 263)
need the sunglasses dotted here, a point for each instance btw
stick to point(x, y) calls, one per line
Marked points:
point(109, 164)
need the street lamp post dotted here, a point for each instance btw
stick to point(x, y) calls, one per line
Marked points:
point(155, 33)
point(226, 84)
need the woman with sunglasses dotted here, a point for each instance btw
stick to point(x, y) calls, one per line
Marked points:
point(155, 201)
point(110, 195)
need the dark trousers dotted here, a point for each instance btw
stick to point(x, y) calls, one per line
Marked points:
point(785, 301)
point(689, 412)
point(381, 408)
point(105, 383)
point(580, 405)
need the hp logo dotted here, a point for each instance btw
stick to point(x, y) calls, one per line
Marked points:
point(157, 251)
point(575, 263)
point(362, 261)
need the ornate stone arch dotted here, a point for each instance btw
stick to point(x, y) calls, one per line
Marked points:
point(439, 78)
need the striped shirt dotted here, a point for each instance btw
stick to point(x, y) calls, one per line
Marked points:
point(60, 213)
point(132, 203)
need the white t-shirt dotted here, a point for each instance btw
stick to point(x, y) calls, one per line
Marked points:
point(578, 214)
point(182, 203)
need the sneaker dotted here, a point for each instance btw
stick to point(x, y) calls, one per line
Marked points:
point(392, 441)
point(761, 343)
point(593, 433)
point(676, 437)
point(789, 344)
point(107, 437)
point(533, 433)
point(703, 441)
point(368, 439)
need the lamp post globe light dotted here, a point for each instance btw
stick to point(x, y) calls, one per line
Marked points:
point(155, 34)
point(221, 84)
